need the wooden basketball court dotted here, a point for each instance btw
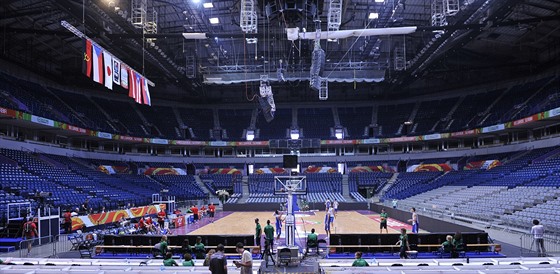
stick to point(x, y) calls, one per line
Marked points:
point(347, 222)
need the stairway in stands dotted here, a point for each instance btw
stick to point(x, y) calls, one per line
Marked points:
point(346, 189)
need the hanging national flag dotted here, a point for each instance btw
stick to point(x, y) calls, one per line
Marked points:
point(146, 92)
point(138, 87)
point(116, 71)
point(124, 76)
point(86, 62)
point(108, 61)
point(97, 62)
point(131, 91)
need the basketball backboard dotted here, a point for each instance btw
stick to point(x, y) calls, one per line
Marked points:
point(283, 185)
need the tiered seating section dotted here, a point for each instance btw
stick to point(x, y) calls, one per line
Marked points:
point(276, 129)
point(390, 118)
point(364, 180)
point(235, 121)
point(73, 180)
point(124, 117)
point(228, 182)
point(315, 122)
point(523, 189)
point(432, 113)
point(261, 189)
point(355, 120)
point(183, 187)
point(163, 122)
point(201, 121)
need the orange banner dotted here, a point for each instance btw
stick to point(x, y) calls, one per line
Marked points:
point(79, 222)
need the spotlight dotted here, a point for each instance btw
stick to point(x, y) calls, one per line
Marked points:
point(250, 135)
point(294, 134)
point(339, 133)
point(208, 5)
point(373, 15)
point(214, 20)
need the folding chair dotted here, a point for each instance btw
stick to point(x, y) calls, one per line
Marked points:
point(76, 240)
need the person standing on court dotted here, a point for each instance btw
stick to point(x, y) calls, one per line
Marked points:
point(335, 206)
point(258, 233)
point(330, 212)
point(246, 263)
point(211, 211)
point(328, 224)
point(278, 217)
point(538, 235)
point(268, 236)
point(383, 223)
point(414, 220)
point(194, 211)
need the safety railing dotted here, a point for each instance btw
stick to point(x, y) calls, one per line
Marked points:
point(549, 246)
point(45, 247)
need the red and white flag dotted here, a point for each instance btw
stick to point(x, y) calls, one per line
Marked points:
point(146, 93)
point(131, 90)
point(108, 69)
point(97, 61)
point(138, 87)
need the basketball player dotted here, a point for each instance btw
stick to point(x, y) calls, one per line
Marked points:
point(414, 220)
point(278, 216)
point(328, 224)
point(330, 212)
point(383, 223)
point(258, 233)
point(335, 205)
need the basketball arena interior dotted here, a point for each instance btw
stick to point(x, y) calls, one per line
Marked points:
point(412, 136)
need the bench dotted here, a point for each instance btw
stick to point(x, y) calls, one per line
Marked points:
point(333, 248)
point(147, 248)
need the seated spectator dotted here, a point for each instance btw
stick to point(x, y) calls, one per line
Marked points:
point(458, 245)
point(359, 261)
point(199, 248)
point(186, 247)
point(208, 257)
point(311, 240)
point(447, 246)
point(161, 248)
point(188, 260)
point(168, 260)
